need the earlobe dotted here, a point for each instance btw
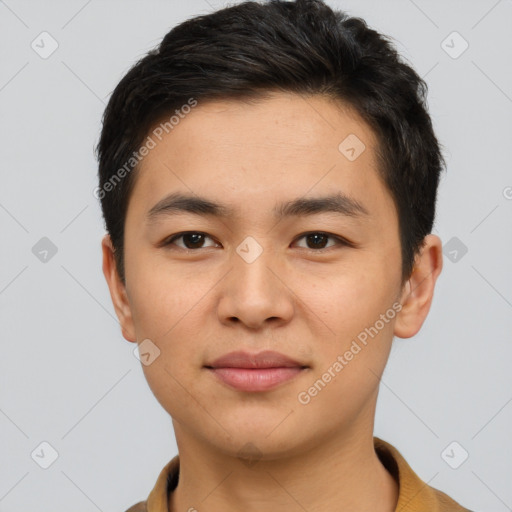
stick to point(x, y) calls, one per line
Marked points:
point(117, 290)
point(418, 292)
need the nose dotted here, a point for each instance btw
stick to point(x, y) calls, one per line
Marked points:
point(255, 293)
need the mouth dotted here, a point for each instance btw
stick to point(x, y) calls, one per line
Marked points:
point(255, 372)
point(262, 379)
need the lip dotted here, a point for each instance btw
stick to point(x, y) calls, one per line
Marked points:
point(265, 359)
point(255, 372)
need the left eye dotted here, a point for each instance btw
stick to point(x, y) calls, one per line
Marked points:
point(195, 240)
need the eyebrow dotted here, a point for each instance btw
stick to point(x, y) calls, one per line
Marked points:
point(178, 202)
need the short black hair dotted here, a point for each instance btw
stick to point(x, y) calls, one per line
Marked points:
point(251, 49)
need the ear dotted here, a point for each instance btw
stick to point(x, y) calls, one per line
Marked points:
point(418, 292)
point(117, 290)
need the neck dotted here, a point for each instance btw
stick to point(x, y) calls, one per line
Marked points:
point(343, 473)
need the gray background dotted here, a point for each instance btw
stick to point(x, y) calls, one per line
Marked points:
point(70, 379)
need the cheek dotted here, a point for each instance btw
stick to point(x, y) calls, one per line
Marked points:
point(357, 308)
point(163, 295)
point(168, 308)
point(346, 299)
point(171, 306)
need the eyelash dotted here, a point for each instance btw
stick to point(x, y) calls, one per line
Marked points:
point(340, 241)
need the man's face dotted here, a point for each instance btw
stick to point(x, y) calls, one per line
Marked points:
point(256, 281)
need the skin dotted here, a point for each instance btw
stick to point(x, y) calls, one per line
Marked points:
point(306, 302)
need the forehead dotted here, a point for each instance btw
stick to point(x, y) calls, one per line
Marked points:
point(283, 145)
point(286, 124)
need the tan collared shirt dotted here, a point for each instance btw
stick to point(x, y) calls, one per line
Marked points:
point(414, 495)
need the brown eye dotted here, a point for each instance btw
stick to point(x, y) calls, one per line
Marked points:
point(318, 240)
point(191, 240)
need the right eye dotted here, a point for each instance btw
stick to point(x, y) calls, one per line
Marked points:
point(192, 240)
